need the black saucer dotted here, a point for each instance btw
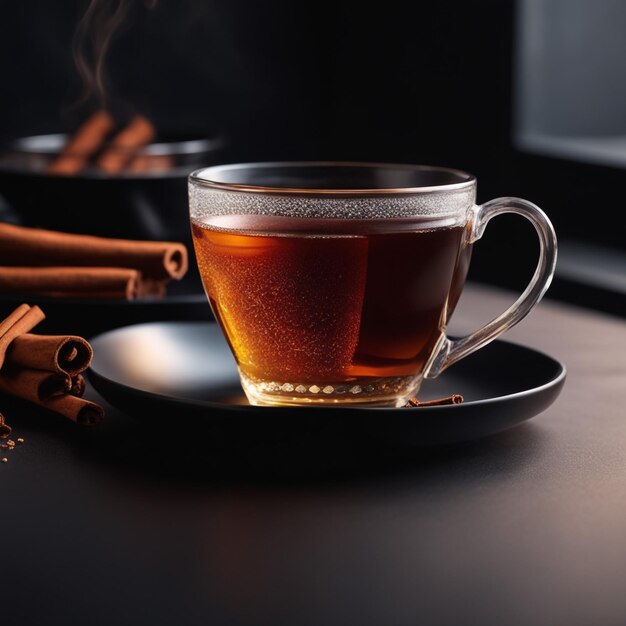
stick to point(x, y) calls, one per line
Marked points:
point(183, 373)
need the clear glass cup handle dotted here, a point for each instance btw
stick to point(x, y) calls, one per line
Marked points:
point(450, 351)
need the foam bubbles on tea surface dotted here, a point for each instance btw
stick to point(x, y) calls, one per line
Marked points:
point(205, 202)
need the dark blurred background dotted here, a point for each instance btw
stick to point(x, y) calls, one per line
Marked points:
point(530, 96)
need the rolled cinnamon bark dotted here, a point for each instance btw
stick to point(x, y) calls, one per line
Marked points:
point(20, 321)
point(78, 410)
point(83, 144)
point(54, 392)
point(70, 282)
point(78, 386)
point(32, 247)
point(125, 145)
point(151, 288)
point(151, 163)
point(62, 354)
point(34, 385)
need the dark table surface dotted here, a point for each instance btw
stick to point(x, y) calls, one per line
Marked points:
point(124, 525)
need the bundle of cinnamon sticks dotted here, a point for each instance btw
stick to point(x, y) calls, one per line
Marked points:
point(45, 369)
point(98, 144)
point(55, 264)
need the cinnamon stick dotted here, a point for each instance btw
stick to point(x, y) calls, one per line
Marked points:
point(151, 288)
point(57, 390)
point(151, 163)
point(32, 247)
point(39, 385)
point(54, 392)
point(83, 144)
point(20, 321)
point(5, 429)
point(455, 398)
point(34, 385)
point(63, 354)
point(78, 410)
point(78, 386)
point(125, 144)
point(70, 282)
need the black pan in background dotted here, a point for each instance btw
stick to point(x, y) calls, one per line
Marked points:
point(150, 205)
point(183, 374)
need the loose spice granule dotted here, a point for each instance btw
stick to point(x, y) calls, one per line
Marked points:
point(4, 459)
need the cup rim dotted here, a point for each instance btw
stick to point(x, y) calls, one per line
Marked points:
point(204, 177)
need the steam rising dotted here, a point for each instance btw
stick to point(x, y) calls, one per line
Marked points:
point(92, 41)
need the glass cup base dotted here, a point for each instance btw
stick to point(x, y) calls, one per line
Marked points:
point(393, 391)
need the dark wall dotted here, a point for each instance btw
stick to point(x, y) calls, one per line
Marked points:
point(238, 67)
point(419, 82)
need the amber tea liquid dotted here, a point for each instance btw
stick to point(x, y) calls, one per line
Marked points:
point(330, 310)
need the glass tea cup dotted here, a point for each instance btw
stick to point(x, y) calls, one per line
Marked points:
point(333, 283)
